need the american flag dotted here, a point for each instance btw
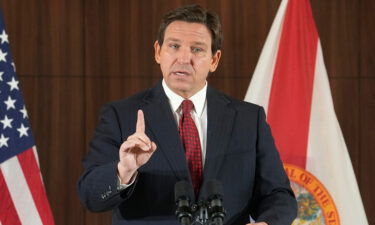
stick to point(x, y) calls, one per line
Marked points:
point(23, 199)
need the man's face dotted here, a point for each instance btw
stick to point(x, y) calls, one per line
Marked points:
point(185, 57)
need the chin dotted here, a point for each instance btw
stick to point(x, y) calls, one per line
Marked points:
point(180, 85)
point(181, 90)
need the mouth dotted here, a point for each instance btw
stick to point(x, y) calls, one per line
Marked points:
point(181, 73)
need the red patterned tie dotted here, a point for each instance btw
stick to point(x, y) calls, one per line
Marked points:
point(190, 140)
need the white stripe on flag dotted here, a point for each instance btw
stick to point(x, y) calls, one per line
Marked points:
point(19, 192)
point(261, 82)
point(327, 154)
point(36, 155)
point(37, 162)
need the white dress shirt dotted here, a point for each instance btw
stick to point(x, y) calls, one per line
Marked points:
point(198, 113)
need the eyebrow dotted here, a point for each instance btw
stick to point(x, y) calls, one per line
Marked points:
point(200, 43)
point(172, 39)
point(177, 40)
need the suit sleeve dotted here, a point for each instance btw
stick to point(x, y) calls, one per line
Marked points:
point(98, 186)
point(273, 200)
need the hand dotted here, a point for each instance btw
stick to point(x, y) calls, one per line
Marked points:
point(260, 223)
point(135, 151)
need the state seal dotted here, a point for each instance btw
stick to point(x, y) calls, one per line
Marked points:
point(315, 205)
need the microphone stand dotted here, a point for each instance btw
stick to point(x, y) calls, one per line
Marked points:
point(201, 214)
point(206, 212)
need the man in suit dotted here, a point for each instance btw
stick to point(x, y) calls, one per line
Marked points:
point(183, 129)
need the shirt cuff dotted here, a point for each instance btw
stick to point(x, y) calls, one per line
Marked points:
point(121, 186)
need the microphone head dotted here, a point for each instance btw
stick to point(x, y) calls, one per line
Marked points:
point(183, 190)
point(214, 189)
point(215, 201)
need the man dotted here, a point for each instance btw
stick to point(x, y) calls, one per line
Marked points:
point(182, 129)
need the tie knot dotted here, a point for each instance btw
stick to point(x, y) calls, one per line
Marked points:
point(187, 105)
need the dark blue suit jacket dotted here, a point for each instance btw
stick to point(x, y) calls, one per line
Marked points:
point(240, 154)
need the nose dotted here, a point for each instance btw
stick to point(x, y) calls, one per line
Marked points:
point(184, 56)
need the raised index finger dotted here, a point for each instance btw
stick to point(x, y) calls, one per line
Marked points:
point(140, 127)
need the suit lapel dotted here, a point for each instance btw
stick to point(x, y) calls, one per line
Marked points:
point(219, 128)
point(159, 118)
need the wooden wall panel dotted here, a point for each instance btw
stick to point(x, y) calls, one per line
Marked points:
point(367, 148)
point(245, 27)
point(23, 33)
point(48, 36)
point(119, 38)
point(97, 218)
point(55, 107)
point(367, 43)
point(367, 107)
point(338, 28)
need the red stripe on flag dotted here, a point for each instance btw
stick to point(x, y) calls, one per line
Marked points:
point(291, 92)
point(8, 213)
point(33, 178)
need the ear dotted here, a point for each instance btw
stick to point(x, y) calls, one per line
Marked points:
point(157, 48)
point(215, 61)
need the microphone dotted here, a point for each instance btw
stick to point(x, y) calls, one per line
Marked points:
point(183, 195)
point(215, 202)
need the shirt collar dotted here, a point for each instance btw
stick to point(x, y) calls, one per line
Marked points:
point(175, 100)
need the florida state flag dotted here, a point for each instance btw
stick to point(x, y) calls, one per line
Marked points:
point(291, 83)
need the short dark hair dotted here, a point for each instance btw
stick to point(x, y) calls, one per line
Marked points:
point(194, 14)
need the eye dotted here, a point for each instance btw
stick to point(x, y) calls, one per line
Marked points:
point(196, 49)
point(174, 46)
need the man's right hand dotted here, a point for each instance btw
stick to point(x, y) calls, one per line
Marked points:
point(135, 151)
